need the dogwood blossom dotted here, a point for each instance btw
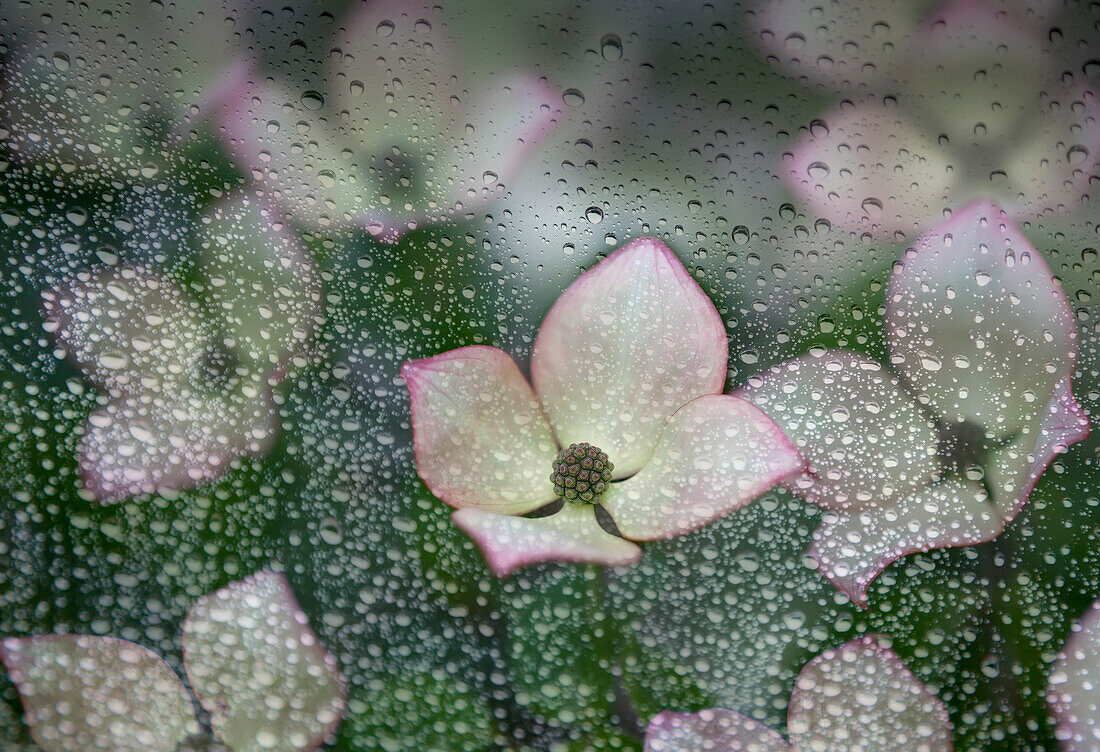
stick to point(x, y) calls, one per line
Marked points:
point(398, 136)
point(1073, 691)
point(190, 388)
point(254, 664)
point(962, 103)
point(104, 91)
point(943, 446)
point(859, 697)
point(629, 362)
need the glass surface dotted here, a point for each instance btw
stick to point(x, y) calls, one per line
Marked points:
point(505, 375)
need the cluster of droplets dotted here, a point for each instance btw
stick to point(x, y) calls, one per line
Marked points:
point(581, 473)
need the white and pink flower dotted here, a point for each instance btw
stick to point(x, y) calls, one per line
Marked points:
point(1073, 689)
point(943, 446)
point(255, 666)
point(961, 104)
point(104, 91)
point(631, 359)
point(399, 136)
point(858, 697)
point(190, 388)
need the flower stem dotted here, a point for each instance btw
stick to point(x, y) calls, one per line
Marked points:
point(626, 714)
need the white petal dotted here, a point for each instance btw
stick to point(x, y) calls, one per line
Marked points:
point(976, 322)
point(571, 534)
point(259, 670)
point(625, 346)
point(98, 694)
point(478, 433)
point(716, 454)
point(860, 697)
point(710, 730)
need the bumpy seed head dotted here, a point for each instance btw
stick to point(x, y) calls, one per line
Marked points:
point(218, 365)
point(962, 445)
point(581, 473)
point(201, 742)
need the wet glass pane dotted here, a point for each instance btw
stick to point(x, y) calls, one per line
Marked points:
point(552, 376)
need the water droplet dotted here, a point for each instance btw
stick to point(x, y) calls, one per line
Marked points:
point(930, 362)
point(312, 100)
point(572, 97)
point(872, 207)
point(611, 47)
point(794, 42)
point(593, 214)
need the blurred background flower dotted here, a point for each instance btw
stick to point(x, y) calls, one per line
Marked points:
point(443, 182)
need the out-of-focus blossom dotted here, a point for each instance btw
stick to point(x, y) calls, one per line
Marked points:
point(859, 697)
point(626, 372)
point(104, 91)
point(254, 664)
point(645, 149)
point(190, 386)
point(1073, 689)
point(942, 108)
point(943, 447)
point(397, 136)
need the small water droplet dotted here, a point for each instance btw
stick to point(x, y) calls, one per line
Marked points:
point(817, 171)
point(872, 207)
point(930, 362)
point(611, 47)
point(312, 100)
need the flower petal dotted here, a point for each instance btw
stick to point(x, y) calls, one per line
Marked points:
point(128, 329)
point(977, 324)
point(868, 168)
point(860, 697)
point(175, 440)
point(716, 454)
point(715, 729)
point(835, 43)
point(260, 280)
point(1051, 168)
point(299, 156)
point(478, 433)
point(1073, 689)
point(977, 72)
point(98, 694)
point(259, 670)
point(866, 440)
point(572, 534)
point(852, 547)
point(625, 346)
point(505, 124)
point(396, 76)
point(1013, 469)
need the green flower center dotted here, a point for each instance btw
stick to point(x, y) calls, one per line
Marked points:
point(962, 445)
point(581, 473)
point(201, 742)
point(218, 366)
